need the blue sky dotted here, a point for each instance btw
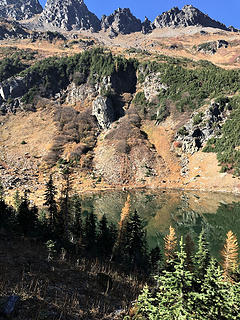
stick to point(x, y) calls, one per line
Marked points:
point(222, 10)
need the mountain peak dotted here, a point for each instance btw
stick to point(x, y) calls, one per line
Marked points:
point(68, 15)
point(187, 16)
point(19, 9)
point(121, 21)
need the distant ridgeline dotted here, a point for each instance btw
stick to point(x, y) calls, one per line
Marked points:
point(74, 15)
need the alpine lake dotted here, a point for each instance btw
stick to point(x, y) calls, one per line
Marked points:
point(188, 212)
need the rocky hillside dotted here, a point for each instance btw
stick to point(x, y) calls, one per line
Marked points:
point(68, 15)
point(119, 108)
point(19, 9)
point(118, 122)
point(188, 16)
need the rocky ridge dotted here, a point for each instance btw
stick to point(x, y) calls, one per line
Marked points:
point(188, 16)
point(20, 9)
point(121, 21)
point(68, 15)
point(74, 15)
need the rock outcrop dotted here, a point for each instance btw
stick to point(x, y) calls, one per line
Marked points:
point(212, 47)
point(102, 109)
point(121, 21)
point(188, 16)
point(202, 126)
point(19, 9)
point(152, 86)
point(76, 94)
point(14, 30)
point(147, 26)
point(68, 15)
point(11, 30)
point(12, 90)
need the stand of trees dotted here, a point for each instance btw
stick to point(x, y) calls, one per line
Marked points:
point(192, 285)
point(62, 226)
point(188, 283)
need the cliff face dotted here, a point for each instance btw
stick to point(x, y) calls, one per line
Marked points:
point(121, 21)
point(188, 16)
point(68, 15)
point(19, 9)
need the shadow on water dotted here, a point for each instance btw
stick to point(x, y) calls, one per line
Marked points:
point(187, 212)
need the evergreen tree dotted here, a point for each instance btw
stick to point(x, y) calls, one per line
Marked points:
point(189, 248)
point(17, 200)
point(105, 239)
point(202, 256)
point(64, 200)
point(172, 297)
point(217, 298)
point(155, 259)
point(90, 234)
point(43, 226)
point(76, 227)
point(7, 216)
point(119, 252)
point(27, 217)
point(136, 244)
point(50, 201)
point(1, 192)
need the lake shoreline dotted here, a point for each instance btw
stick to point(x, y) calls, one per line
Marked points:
point(154, 188)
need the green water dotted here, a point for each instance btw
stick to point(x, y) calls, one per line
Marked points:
point(187, 212)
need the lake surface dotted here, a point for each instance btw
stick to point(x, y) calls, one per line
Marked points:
point(187, 212)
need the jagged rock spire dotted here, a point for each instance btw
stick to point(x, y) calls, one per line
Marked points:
point(68, 15)
point(121, 21)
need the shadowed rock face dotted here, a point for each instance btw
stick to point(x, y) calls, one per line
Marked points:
point(19, 9)
point(121, 21)
point(68, 15)
point(147, 26)
point(188, 16)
